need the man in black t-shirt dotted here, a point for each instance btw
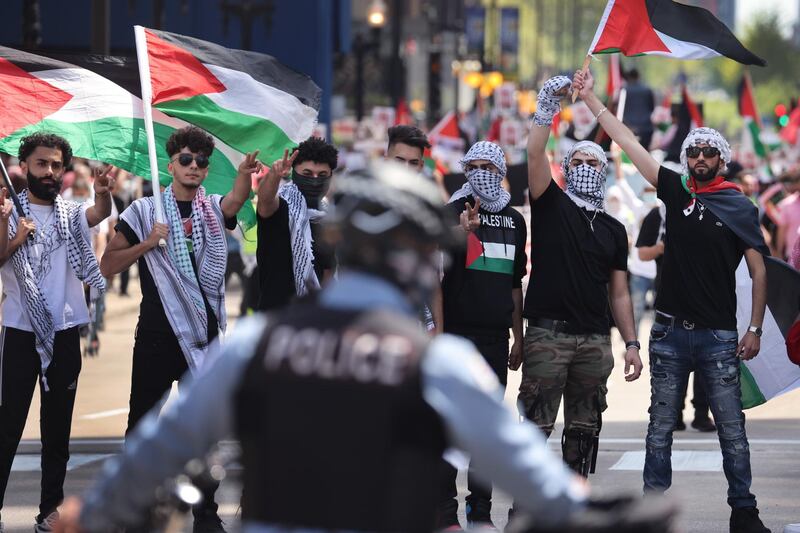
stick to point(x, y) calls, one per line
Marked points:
point(183, 287)
point(482, 292)
point(710, 226)
point(292, 260)
point(579, 257)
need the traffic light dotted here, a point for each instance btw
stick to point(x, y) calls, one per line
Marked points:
point(782, 115)
point(435, 85)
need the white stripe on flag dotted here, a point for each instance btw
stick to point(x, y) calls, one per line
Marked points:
point(498, 250)
point(684, 49)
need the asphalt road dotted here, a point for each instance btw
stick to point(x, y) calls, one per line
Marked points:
point(699, 484)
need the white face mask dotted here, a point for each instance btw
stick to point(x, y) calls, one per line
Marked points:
point(586, 183)
point(486, 184)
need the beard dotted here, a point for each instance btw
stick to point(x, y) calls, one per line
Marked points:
point(705, 174)
point(41, 190)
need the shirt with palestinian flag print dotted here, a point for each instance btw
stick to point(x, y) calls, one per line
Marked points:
point(477, 285)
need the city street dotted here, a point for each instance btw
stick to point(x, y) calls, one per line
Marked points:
point(699, 484)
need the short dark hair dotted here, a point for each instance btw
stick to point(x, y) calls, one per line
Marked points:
point(317, 150)
point(191, 137)
point(410, 135)
point(48, 140)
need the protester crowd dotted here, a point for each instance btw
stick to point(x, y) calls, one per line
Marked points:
point(611, 225)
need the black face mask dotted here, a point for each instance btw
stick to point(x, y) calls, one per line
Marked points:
point(41, 190)
point(312, 189)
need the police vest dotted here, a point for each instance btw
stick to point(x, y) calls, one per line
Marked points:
point(334, 430)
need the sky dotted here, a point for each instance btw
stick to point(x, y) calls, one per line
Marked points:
point(788, 9)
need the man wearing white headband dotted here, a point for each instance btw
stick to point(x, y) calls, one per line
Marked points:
point(579, 255)
point(711, 225)
point(482, 294)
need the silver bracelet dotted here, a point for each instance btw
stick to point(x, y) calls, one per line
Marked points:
point(597, 116)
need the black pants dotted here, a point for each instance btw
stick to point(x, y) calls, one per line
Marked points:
point(699, 398)
point(158, 362)
point(494, 349)
point(20, 367)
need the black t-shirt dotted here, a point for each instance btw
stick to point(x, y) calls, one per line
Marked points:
point(476, 288)
point(698, 277)
point(151, 311)
point(571, 265)
point(274, 257)
point(648, 236)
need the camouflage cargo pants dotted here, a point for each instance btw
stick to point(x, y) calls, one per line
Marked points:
point(575, 366)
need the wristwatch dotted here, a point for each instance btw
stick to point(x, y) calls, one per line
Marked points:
point(633, 344)
point(755, 330)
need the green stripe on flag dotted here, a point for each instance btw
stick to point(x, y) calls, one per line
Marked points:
point(242, 132)
point(751, 394)
point(758, 146)
point(491, 264)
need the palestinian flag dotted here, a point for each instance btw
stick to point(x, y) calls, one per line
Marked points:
point(771, 373)
point(446, 133)
point(666, 28)
point(248, 100)
point(749, 112)
point(694, 111)
point(492, 254)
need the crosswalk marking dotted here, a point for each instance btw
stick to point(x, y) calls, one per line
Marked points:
point(32, 463)
point(682, 461)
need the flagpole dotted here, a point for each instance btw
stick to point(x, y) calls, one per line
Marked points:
point(584, 68)
point(147, 102)
point(11, 192)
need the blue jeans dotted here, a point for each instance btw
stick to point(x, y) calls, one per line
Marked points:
point(674, 352)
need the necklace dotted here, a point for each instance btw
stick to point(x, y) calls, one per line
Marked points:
point(589, 220)
point(39, 224)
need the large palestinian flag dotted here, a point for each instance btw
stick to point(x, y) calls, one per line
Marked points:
point(771, 373)
point(667, 28)
point(248, 100)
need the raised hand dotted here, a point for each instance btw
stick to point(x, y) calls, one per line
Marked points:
point(548, 102)
point(283, 166)
point(103, 182)
point(6, 206)
point(250, 165)
point(583, 82)
point(470, 219)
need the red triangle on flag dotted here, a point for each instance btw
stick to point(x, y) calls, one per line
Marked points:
point(474, 248)
point(747, 102)
point(694, 111)
point(447, 127)
point(175, 73)
point(629, 30)
point(26, 98)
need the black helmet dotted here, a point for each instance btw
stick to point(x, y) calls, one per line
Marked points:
point(390, 221)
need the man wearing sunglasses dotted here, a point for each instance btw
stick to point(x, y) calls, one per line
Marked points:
point(482, 294)
point(710, 226)
point(183, 287)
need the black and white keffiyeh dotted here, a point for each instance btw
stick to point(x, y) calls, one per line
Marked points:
point(81, 259)
point(300, 218)
point(548, 104)
point(708, 136)
point(484, 184)
point(585, 184)
point(174, 276)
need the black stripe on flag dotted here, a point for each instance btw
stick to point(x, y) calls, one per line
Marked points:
point(697, 25)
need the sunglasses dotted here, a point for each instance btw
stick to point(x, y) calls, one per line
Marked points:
point(708, 151)
point(486, 166)
point(186, 159)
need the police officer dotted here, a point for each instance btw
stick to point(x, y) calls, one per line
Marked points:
point(342, 404)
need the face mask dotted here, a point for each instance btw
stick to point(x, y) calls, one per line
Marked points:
point(42, 190)
point(485, 184)
point(586, 183)
point(312, 189)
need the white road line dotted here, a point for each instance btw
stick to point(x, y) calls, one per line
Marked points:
point(682, 461)
point(105, 414)
point(32, 463)
point(793, 442)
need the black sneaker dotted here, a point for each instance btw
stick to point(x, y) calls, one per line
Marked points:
point(479, 515)
point(207, 523)
point(680, 425)
point(746, 520)
point(705, 425)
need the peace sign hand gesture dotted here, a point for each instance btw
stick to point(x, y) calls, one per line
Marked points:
point(283, 167)
point(250, 165)
point(470, 219)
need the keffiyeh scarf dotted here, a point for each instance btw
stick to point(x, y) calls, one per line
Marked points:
point(708, 136)
point(173, 273)
point(585, 184)
point(547, 102)
point(81, 259)
point(300, 218)
point(484, 184)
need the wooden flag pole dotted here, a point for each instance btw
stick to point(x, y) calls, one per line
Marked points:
point(147, 102)
point(584, 69)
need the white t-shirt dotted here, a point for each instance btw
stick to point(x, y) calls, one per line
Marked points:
point(62, 290)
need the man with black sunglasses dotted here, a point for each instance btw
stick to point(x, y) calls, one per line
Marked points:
point(710, 226)
point(183, 287)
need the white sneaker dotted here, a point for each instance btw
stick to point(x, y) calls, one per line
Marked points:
point(47, 524)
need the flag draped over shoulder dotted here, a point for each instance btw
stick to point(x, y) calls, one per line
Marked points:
point(771, 373)
point(248, 100)
point(667, 28)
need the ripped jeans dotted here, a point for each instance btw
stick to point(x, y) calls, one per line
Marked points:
point(675, 351)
